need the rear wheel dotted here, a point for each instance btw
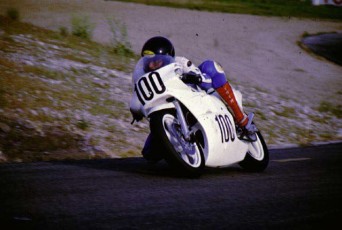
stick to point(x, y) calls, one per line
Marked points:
point(183, 155)
point(257, 157)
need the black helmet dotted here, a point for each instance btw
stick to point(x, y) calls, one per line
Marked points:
point(158, 45)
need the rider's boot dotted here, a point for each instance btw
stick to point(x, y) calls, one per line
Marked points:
point(227, 94)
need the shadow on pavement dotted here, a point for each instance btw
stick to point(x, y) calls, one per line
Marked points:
point(327, 45)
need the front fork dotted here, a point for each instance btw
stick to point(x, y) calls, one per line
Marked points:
point(184, 126)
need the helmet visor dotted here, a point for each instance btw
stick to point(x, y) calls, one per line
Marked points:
point(154, 62)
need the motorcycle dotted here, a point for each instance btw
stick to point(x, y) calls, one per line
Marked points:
point(194, 128)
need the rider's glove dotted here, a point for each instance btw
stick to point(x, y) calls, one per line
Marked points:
point(136, 116)
point(192, 78)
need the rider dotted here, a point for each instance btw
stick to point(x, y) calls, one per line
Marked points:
point(212, 74)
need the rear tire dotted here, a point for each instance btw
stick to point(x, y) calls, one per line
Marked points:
point(257, 157)
point(184, 156)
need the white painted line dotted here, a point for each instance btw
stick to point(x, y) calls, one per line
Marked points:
point(292, 159)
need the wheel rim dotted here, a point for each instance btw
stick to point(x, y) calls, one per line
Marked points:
point(256, 149)
point(188, 151)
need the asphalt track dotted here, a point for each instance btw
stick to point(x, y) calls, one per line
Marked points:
point(301, 189)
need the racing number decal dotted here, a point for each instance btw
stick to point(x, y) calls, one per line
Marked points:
point(226, 128)
point(145, 89)
point(148, 86)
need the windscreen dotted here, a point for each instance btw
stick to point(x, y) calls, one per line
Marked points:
point(154, 62)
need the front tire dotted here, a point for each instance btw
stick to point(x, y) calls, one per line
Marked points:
point(184, 156)
point(257, 157)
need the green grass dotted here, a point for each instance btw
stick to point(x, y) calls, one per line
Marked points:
point(327, 107)
point(283, 8)
point(83, 124)
point(286, 112)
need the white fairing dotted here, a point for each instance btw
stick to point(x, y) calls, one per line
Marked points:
point(222, 147)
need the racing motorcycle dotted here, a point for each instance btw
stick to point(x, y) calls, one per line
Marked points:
point(194, 129)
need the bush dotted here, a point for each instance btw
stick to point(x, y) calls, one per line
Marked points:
point(13, 14)
point(81, 27)
point(63, 31)
point(120, 41)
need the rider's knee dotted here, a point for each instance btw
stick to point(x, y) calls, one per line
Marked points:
point(215, 72)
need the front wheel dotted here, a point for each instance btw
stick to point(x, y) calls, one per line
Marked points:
point(185, 156)
point(257, 157)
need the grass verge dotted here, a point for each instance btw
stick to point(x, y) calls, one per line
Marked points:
point(62, 96)
point(283, 8)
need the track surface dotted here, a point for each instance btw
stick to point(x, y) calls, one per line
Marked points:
point(301, 189)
